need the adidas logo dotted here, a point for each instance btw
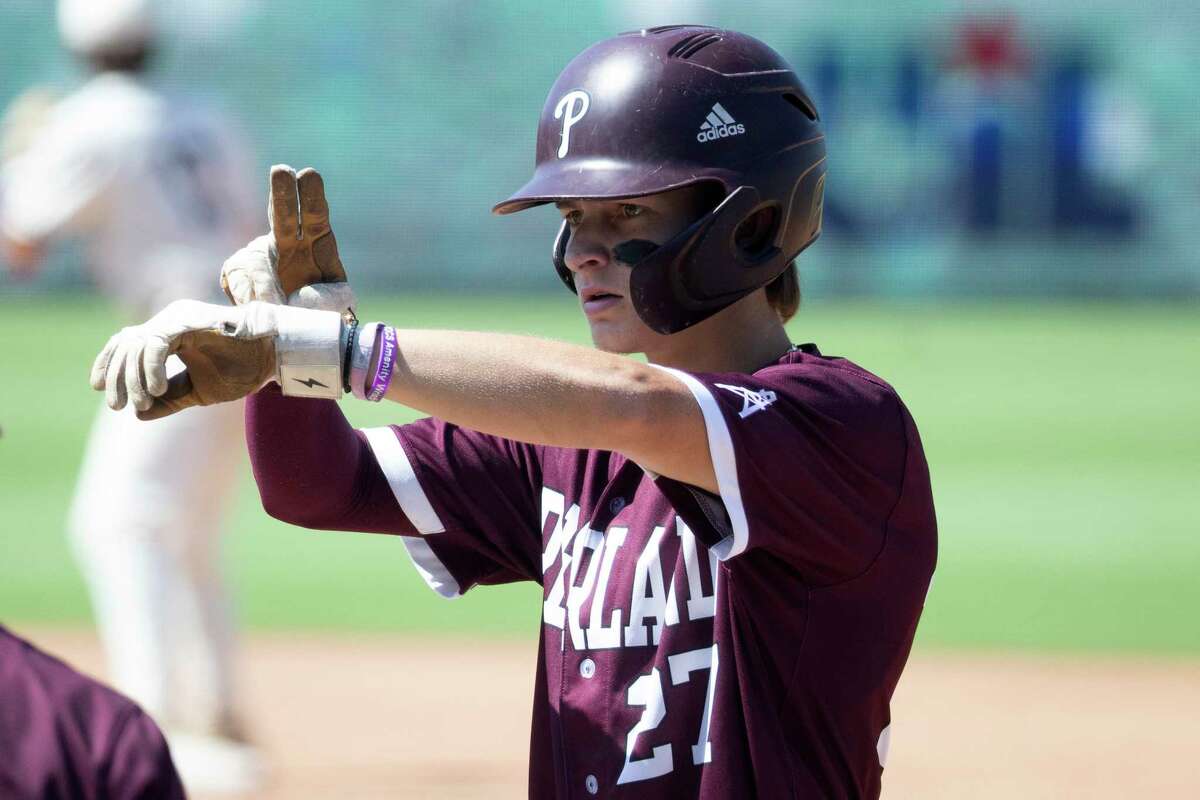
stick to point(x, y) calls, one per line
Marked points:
point(718, 125)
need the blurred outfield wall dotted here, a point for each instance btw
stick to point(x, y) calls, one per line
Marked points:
point(1041, 150)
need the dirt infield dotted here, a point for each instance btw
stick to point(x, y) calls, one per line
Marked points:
point(375, 717)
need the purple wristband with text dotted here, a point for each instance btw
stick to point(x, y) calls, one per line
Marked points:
point(387, 364)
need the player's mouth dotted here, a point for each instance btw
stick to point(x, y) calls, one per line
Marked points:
point(596, 300)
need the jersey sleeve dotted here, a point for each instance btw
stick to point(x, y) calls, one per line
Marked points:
point(470, 498)
point(463, 503)
point(55, 187)
point(809, 460)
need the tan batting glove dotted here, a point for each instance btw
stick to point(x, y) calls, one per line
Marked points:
point(229, 353)
point(297, 263)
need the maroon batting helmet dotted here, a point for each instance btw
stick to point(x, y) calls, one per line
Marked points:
point(658, 109)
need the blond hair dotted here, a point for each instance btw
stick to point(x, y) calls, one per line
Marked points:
point(783, 293)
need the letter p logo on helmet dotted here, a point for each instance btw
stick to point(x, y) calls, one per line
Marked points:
point(570, 109)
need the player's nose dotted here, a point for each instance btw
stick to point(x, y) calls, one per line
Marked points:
point(585, 251)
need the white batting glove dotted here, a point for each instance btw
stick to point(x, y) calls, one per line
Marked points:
point(229, 352)
point(324, 297)
point(249, 274)
point(298, 262)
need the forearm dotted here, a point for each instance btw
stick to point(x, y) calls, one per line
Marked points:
point(313, 469)
point(521, 388)
point(553, 393)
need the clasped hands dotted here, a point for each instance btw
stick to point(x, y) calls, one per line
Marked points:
point(289, 290)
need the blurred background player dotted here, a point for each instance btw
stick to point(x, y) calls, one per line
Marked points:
point(154, 186)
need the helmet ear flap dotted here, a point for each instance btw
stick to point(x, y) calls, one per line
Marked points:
point(559, 255)
point(705, 268)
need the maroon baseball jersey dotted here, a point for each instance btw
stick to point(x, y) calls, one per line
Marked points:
point(65, 735)
point(692, 645)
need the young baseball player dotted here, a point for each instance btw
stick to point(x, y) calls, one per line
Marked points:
point(734, 540)
point(156, 188)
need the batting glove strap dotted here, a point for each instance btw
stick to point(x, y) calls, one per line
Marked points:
point(308, 352)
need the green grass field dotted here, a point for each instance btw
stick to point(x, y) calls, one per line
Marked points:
point(1063, 440)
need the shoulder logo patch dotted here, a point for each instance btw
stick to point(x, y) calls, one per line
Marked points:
point(752, 401)
point(719, 124)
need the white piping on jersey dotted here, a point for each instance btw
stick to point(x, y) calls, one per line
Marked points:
point(720, 448)
point(416, 506)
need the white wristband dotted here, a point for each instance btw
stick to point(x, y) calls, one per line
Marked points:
point(360, 358)
point(308, 352)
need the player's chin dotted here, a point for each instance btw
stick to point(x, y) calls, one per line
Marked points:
point(614, 336)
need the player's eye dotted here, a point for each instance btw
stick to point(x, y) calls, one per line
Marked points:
point(630, 210)
point(573, 216)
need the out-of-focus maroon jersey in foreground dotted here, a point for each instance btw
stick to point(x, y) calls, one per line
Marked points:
point(63, 735)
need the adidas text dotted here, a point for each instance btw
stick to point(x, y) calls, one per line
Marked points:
point(719, 124)
point(720, 133)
